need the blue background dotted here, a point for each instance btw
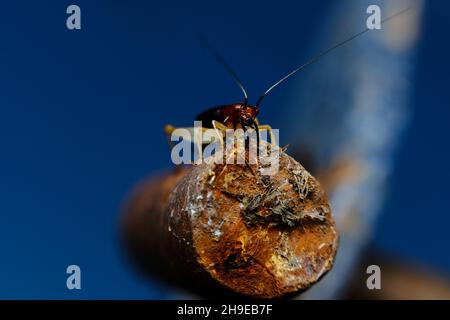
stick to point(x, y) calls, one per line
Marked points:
point(82, 112)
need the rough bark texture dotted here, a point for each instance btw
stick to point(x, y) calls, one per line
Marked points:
point(216, 228)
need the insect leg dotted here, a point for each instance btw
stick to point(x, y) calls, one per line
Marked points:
point(187, 134)
point(168, 129)
point(269, 129)
point(218, 126)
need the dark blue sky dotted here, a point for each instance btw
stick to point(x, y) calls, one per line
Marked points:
point(82, 113)
point(416, 220)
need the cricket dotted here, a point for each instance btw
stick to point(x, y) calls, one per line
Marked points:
point(243, 115)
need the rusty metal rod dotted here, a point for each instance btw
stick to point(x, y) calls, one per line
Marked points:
point(221, 229)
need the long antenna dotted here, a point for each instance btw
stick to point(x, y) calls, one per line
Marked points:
point(320, 55)
point(222, 62)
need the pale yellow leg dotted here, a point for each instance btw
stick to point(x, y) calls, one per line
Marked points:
point(269, 129)
point(219, 125)
point(169, 129)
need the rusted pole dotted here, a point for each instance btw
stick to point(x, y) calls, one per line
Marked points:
point(215, 229)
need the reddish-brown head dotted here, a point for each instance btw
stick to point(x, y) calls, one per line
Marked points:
point(239, 113)
point(248, 114)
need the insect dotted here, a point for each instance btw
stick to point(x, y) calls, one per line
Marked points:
point(230, 116)
point(243, 114)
